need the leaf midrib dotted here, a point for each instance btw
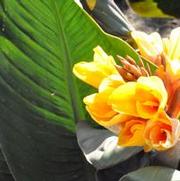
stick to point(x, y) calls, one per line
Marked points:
point(67, 59)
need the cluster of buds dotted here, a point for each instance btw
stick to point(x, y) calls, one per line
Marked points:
point(130, 70)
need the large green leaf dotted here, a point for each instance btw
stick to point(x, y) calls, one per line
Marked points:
point(5, 174)
point(39, 97)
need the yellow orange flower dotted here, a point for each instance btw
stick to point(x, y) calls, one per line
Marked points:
point(144, 98)
point(159, 133)
point(94, 72)
point(153, 48)
point(162, 132)
point(150, 46)
point(97, 104)
point(143, 111)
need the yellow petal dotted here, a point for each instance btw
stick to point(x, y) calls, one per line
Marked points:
point(144, 98)
point(97, 104)
point(111, 82)
point(91, 4)
point(89, 72)
point(150, 46)
point(174, 44)
point(173, 68)
point(166, 45)
point(123, 99)
point(104, 61)
point(172, 52)
point(94, 72)
point(151, 96)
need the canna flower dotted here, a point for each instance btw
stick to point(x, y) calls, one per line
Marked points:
point(142, 110)
point(97, 104)
point(158, 50)
point(161, 132)
point(144, 98)
point(149, 46)
point(94, 72)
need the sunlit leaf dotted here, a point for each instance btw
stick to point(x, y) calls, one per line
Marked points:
point(40, 100)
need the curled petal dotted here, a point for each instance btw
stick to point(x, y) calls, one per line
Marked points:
point(97, 104)
point(89, 73)
point(144, 98)
point(151, 96)
point(172, 45)
point(173, 68)
point(173, 53)
point(94, 72)
point(123, 99)
point(150, 46)
point(162, 133)
point(111, 82)
point(132, 131)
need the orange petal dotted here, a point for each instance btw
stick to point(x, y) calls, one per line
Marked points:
point(132, 133)
point(162, 133)
point(96, 105)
